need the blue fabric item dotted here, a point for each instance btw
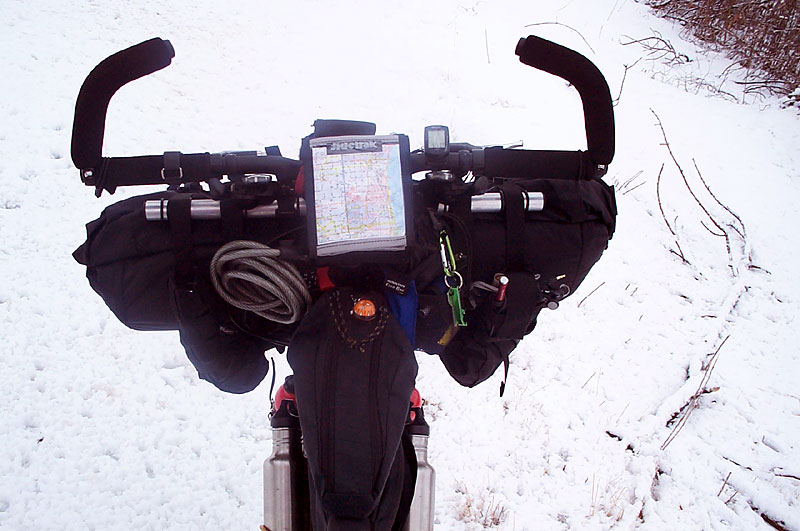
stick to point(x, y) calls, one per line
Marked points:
point(404, 308)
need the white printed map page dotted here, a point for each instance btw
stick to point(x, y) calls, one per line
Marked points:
point(358, 194)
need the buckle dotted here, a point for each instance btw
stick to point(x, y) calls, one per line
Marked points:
point(171, 177)
point(172, 170)
point(87, 176)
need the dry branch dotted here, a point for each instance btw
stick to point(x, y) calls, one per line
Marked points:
point(590, 293)
point(762, 36)
point(659, 48)
point(622, 83)
point(742, 233)
point(679, 252)
point(564, 25)
point(723, 229)
point(694, 400)
point(724, 483)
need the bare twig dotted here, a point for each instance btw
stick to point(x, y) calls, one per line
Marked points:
point(771, 86)
point(679, 252)
point(694, 400)
point(691, 191)
point(626, 192)
point(658, 48)
point(712, 88)
point(630, 181)
point(703, 223)
point(742, 233)
point(724, 483)
point(680, 169)
point(737, 464)
point(774, 523)
point(626, 187)
point(762, 36)
point(564, 25)
point(590, 293)
point(622, 83)
point(486, 40)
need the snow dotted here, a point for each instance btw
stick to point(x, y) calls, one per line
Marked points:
point(107, 428)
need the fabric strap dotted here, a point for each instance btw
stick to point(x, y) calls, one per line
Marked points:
point(514, 210)
point(180, 223)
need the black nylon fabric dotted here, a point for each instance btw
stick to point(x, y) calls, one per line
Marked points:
point(233, 361)
point(394, 504)
point(495, 329)
point(353, 399)
point(566, 238)
point(131, 263)
point(560, 245)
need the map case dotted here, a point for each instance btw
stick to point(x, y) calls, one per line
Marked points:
point(359, 195)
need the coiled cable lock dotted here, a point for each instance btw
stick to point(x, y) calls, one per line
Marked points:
point(249, 276)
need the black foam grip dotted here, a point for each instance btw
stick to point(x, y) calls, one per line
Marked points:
point(536, 164)
point(568, 64)
point(100, 85)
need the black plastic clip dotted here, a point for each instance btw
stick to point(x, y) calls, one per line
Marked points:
point(172, 172)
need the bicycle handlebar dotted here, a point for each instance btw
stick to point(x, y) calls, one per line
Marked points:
point(152, 55)
point(497, 161)
point(194, 167)
point(100, 85)
point(598, 112)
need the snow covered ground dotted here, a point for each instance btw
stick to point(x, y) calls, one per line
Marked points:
point(106, 428)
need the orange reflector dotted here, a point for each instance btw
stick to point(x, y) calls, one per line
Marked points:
point(364, 309)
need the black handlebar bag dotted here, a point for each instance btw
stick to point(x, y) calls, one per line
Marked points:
point(353, 378)
point(545, 255)
point(132, 263)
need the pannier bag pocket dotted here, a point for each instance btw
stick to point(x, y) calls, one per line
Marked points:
point(495, 329)
point(230, 359)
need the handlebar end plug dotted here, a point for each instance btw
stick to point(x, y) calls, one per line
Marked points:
point(87, 176)
point(520, 44)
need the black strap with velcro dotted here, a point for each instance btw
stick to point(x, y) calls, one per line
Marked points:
point(172, 172)
point(231, 219)
point(180, 223)
point(514, 212)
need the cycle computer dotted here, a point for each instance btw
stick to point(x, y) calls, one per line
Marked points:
point(437, 140)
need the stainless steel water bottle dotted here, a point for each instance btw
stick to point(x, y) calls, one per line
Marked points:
point(421, 514)
point(286, 506)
